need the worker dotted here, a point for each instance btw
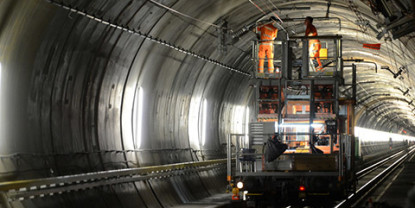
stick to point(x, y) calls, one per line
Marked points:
point(266, 34)
point(314, 45)
point(235, 193)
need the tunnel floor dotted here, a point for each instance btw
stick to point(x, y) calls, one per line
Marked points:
point(217, 200)
point(394, 192)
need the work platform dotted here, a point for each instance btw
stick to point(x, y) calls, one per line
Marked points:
point(292, 59)
point(306, 116)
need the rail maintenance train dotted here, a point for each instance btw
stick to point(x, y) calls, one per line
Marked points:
point(302, 144)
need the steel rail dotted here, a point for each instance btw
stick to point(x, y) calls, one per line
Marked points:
point(373, 183)
point(21, 189)
point(372, 167)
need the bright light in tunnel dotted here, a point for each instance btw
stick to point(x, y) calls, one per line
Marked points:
point(301, 125)
point(0, 77)
point(1, 116)
point(194, 111)
point(139, 118)
point(371, 135)
point(204, 122)
point(238, 119)
point(246, 121)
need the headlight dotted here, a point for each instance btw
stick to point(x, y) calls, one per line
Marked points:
point(240, 185)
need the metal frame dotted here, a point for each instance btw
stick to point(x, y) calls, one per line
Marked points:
point(285, 52)
point(335, 80)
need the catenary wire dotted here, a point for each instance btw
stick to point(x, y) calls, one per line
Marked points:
point(148, 37)
point(182, 14)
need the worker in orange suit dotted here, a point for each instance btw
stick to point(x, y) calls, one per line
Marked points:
point(267, 33)
point(314, 45)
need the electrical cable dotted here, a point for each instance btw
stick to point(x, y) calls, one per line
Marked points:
point(361, 22)
point(148, 37)
point(275, 6)
point(394, 56)
point(260, 9)
point(276, 9)
point(182, 14)
point(406, 57)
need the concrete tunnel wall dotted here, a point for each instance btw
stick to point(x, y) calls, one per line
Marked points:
point(74, 83)
point(70, 89)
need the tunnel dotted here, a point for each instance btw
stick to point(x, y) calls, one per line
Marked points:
point(106, 85)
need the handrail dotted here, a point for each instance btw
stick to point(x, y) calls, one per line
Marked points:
point(317, 37)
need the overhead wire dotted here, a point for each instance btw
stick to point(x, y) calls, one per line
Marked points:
point(405, 57)
point(389, 55)
point(270, 9)
point(147, 37)
point(394, 56)
point(260, 9)
point(378, 100)
point(274, 6)
point(276, 9)
point(182, 14)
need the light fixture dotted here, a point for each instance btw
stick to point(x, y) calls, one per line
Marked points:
point(194, 122)
point(301, 188)
point(293, 125)
point(246, 122)
point(139, 118)
point(240, 185)
point(204, 122)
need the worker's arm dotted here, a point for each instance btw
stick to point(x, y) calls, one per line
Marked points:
point(257, 31)
point(307, 31)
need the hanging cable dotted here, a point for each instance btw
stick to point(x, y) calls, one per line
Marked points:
point(184, 15)
point(361, 21)
point(276, 9)
point(394, 58)
point(275, 6)
point(259, 8)
point(148, 37)
point(270, 9)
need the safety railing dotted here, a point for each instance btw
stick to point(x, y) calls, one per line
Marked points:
point(276, 49)
point(302, 54)
point(329, 54)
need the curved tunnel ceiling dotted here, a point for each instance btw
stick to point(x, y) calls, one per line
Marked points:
point(76, 73)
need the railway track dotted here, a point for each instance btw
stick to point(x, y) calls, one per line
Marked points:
point(371, 177)
point(28, 189)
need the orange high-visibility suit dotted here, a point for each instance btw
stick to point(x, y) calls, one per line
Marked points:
point(268, 33)
point(314, 45)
